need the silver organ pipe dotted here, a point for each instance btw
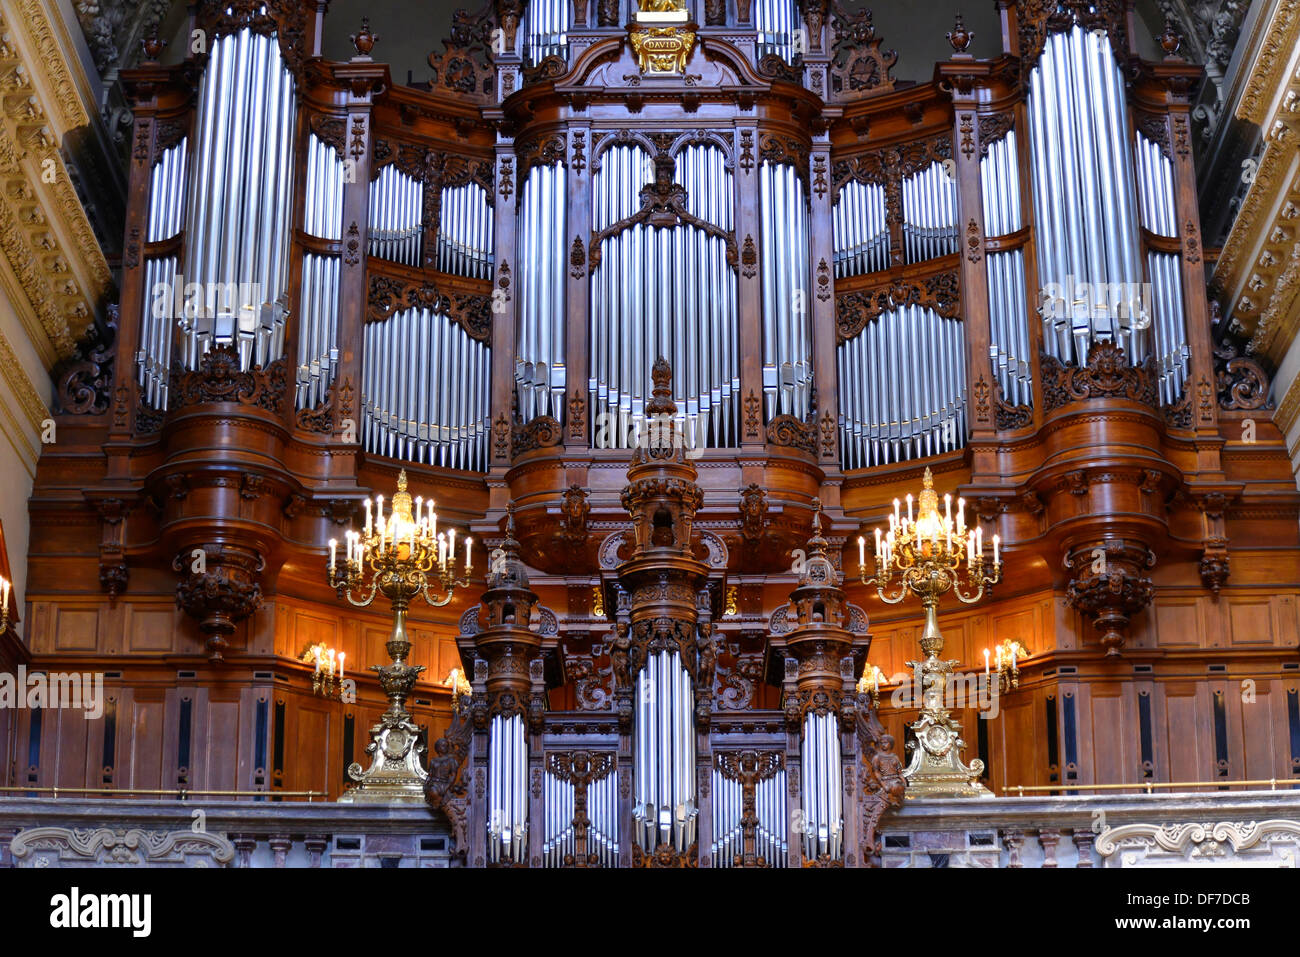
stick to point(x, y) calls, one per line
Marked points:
point(465, 232)
point(396, 217)
point(861, 234)
point(778, 25)
point(238, 217)
point(787, 310)
point(557, 799)
point(665, 810)
point(507, 790)
point(164, 287)
point(1084, 197)
point(823, 790)
point(425, 391)
point(546, 29)
point(728, 802)
point(318, 353)
point(1008, 316)
point(539, 365)
point(666, 292)
point(929, 214)
point(902, 388)
point(1161, 302)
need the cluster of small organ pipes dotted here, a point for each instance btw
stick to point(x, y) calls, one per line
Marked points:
point(425, 382)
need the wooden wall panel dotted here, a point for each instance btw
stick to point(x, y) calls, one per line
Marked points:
point(1185, 737)
point(1179, 622)
point(141, 756)
point(1250, 620)
point(76, 628)
point(150, 629)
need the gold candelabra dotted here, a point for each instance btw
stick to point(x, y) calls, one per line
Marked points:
point(327, 680)
point(1008, 655)
point(401, 555)
point(461, 691)
point(930, 556)
point(870, 682)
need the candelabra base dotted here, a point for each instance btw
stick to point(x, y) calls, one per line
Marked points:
point(936, 769)
point(395, 775)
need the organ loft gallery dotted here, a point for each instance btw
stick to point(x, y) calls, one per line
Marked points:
point(649, 434)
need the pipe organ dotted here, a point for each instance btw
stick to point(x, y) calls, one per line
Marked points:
point(539, 367)
point(665, 755)
point(424, 390)
point(1085, 202)
point(787, 329)
point(664, 288)
point(662, 328)
point(238, 215)
point(397, 217)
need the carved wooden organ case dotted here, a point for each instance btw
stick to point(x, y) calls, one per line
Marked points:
point(822, 279)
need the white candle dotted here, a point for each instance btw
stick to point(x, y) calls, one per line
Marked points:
point(334, 547)
point(896, 519)
point(996, 541)
point(877, 544)
point(909, 508)
point(961, 517)
point(862, 549)
point(947, 508)
point(970, 548)
point(979, 541)
point(469, 559)
point(342, 656)
point(433, 526)
point(419, 509)
point(317, 653)
point(379, 508)
point(368, 526)
point(986, 662)
point(331, 664)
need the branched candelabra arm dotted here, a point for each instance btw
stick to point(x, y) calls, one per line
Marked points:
point(362, 603)
point(979, 581)
point(448, 585)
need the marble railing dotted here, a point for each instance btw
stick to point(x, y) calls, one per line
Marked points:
point(1114, 830)
point(75, 833)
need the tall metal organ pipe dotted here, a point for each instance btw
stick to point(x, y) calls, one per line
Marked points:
point(664, 754)
point(861, 234)
point(1163, 296)
point(780, 29)
point(164, 287)
point(929, 214)
point(728, 806)
point(546, 29)
point(318, 353)
point(425, 391)
point(1009, 348)
point(539, 364)
point(902, 388)
point(787, 308)
point(465, 232)
point(666, 291)
point(507, 790)
point(396, 217)
point(237, 224)
point(823, 788)
point(1084, 196)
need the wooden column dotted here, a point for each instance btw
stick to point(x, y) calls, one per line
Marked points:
point(577, 413)
point(821, 300)
point(749, 299)
point(503, 307)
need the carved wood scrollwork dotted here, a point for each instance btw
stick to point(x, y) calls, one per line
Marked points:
point(543, 432)
point(472, 312)
point(859, 66)
point(789, 431)
point(854, 310)
point(1008, 416)
point(1039, 18)
point(219, 379)
point(1241, 382)
point(284, 19)
point(663, 205)
point(1107, 375)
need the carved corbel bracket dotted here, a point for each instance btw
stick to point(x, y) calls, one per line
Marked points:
point(220, 587)
point(1109, 585)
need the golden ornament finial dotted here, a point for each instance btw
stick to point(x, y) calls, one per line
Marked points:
point(401, 479)
point(402, 499)
point(927, 481)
